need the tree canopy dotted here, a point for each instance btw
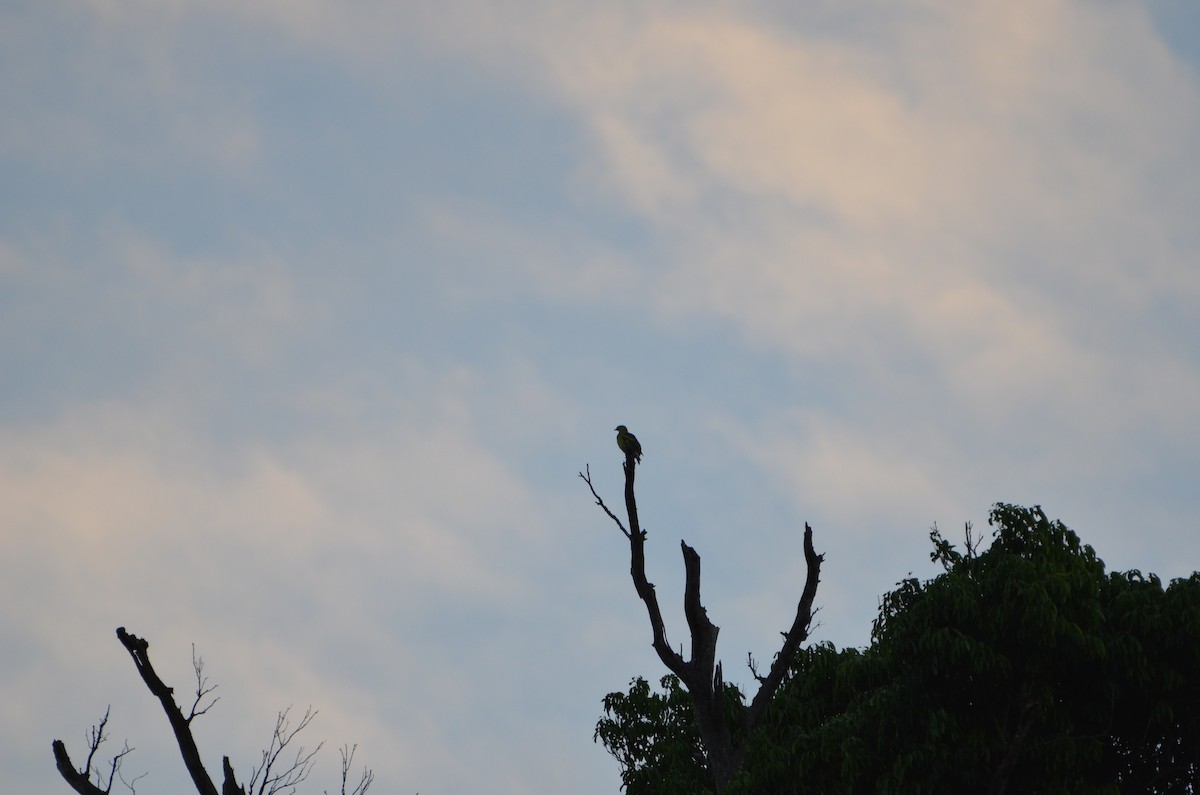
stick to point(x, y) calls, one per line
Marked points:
point(1024, 668)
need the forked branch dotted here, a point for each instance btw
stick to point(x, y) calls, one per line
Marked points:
point(80, 780)
point(702, 674)
point(276, 773)
point(268, 777)
point(139, 650)
point(637, 570)
point(364, 779)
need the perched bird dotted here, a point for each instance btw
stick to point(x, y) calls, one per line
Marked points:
point(628, 443)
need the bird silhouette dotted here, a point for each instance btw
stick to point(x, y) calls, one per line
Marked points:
point(628, 443)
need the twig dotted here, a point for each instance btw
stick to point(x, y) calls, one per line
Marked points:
point(588, 480)
point(202, 688)
point(364, 781)
point(297, 771)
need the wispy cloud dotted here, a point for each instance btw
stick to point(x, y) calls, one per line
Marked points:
point(311, 313)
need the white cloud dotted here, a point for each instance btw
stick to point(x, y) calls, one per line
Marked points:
point(117, 514)
point(896, 263)
point(970, 200)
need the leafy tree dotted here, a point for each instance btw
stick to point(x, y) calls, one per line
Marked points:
point(1025, 668)
point(654, 737)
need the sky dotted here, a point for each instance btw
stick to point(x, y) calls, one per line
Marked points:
point(312, 312)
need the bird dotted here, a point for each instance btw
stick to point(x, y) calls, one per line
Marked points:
point(628, 443)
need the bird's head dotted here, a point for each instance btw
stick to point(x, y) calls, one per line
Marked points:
point(621, 428)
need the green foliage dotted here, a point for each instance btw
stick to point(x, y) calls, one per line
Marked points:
point(1022, 669)
point(654, 738)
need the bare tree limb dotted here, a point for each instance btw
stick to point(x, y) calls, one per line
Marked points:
point(139, 650)
point(753, 666)
point(637, 569)
point(230, 786)
point(972, 542)
point(96, 737)
point(364, 780)
point(132, 785)
point(270, 777)
point(792, 638)
point(202, 688)
point(80, 780)
point(588, 480)
point(702, 674)
point(267, 777)
point(114, 768)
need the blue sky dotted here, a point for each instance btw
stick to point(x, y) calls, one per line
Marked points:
point(311, 312)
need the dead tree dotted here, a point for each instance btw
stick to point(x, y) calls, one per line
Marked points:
point(275, 773)
point(701, 673)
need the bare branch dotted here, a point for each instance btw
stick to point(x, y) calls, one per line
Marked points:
point(275, 774)
point(266, 777)
point(202, 688)
point(96, 738)
point(80, 780)
point(114, 770)
point(132, 785)
point(792, 638)
point(588, 480)
point(972, 542)
point(637, 571)
point(365, 779)
point(702, 674)
point(139, 650)
point(753, 666)
point(704, 633)
point(230, 786)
